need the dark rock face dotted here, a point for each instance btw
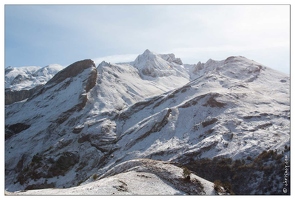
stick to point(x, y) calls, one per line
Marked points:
point(13, 129)
point(91, 81)
point(238, 174)
point(65, 162)
point(40, 186)
point(42, 166)
point(71, 71)
point(15, 96)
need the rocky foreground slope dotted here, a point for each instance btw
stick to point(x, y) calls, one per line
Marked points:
point(87, 120)
point(137, 177)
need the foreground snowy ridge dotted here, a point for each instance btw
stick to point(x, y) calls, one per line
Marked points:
point(90, 120)
point(136, 177)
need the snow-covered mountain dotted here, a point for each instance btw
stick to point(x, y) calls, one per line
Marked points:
point(22, 82)
point(157, 65)
point(120, 85)
point(87, 120)
point(20, 78)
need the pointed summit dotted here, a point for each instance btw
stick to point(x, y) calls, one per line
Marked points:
point(157, 65)
point(103, 63)
point(147, 51)
point(148, 55)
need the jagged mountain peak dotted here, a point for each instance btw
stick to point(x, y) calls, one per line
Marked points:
point(171, 58)
point(146, 55)
point(148, 52)
point(102, 64)
point(158, 65)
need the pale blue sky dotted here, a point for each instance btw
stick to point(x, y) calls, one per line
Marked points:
point(45, 34)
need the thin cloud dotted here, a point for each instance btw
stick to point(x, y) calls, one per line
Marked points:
point(116, 58)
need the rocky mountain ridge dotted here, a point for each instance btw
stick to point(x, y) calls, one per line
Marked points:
point(87, 119)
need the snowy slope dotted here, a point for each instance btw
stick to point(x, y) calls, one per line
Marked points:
point(233, 108)
point(228, 112)
point(120, 85)
point(136, 177)
point(39, 120)
point(19, 78)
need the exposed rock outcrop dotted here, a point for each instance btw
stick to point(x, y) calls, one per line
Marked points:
point(72, 71)
point(12, 96)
